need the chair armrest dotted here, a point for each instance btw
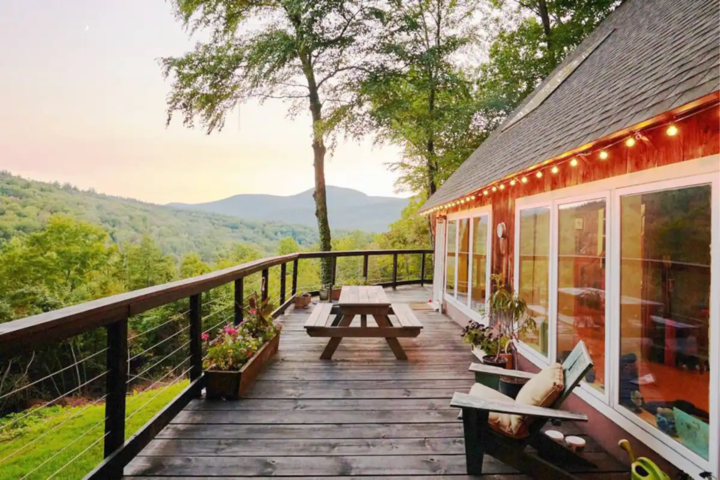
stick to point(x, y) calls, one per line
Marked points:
point(463, 400)
point(499, 372)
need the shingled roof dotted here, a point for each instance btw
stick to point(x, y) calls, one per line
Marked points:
point(658, 55)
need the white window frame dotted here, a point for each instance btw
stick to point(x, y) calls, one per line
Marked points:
point(529, 352)
point(684, 174)
point(484, 211)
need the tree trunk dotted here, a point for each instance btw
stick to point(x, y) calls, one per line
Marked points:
point(545, 18)
point(320, 196)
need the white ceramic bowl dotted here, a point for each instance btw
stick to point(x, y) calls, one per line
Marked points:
point(575, 443)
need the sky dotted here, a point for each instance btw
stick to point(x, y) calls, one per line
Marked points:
point(82, 100)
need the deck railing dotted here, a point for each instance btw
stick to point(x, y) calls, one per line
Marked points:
point(126, 362)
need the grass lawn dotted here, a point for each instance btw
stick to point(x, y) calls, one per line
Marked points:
point(62, 436)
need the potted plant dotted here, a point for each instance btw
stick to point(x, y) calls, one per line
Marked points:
point(236, 356)
point(486, 344)
point(302, 300)
point(507, 317)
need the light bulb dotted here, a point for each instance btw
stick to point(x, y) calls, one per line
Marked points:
point(512, 183)
point(573, 162)
point(672, 130)
point(539, 174)
point(524, 179)
point(555, 170)
point(502, 187)
point(485, 192)
point(603, 155)
point(494, 189)
point(630, 142)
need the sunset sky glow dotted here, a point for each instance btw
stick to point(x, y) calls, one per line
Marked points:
point(82, 100)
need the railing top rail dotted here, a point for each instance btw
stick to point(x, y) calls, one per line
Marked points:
point(22, 334)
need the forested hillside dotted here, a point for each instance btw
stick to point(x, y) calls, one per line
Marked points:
point(26, 206)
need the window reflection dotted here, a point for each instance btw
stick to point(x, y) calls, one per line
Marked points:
point(479, 263)
point(534, 270)
point(450, 259)
point(665, 312)
point(463, 259)
point(581, 283)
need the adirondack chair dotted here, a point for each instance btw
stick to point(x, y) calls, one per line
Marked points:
point(480, 438)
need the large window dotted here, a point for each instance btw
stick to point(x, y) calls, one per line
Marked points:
point(534, 273)
point(479, 263)
point(581, 283)
point(665, 275)
point(463, 259)
point(450, 260)
point(626, 266)
point(467, 262)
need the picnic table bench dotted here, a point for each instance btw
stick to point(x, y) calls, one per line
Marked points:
point(335, 320)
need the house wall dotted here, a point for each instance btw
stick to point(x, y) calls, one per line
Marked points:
point(698, 137)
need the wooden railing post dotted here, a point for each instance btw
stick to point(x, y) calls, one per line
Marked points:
point(116, 386)
point(239, 300)
point(334, 270)
point(422, 269)
point(394, 280)
point(295, 277)
point(264, 287)
point(366, 259)
point(195, 333)
point(283, 274)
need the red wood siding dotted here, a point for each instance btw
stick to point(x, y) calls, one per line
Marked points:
point(698, 136)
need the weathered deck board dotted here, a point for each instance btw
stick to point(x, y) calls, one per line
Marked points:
point(363, 414)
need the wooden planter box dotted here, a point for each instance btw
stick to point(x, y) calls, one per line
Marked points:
point(234, 385)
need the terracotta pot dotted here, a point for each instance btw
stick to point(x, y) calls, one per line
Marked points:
point(336, 294)
point(234, 385)
point(303, 300)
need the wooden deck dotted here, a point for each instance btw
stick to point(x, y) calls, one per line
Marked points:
point(362, 414)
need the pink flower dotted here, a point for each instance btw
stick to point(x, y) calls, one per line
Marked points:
point(205, 337)
point(231, 330)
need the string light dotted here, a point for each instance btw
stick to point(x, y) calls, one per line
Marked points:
point(630, 141)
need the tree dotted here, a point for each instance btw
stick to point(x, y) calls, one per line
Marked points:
point(533, 37)
point(419, 95)
point(305, 51)
point(147, 265)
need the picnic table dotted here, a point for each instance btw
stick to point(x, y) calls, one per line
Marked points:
point(335, 321)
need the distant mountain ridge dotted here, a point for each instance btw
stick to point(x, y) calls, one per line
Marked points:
point(347, 208)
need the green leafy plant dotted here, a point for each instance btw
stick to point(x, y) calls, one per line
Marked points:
point(484, 337)
point(235, 346)
point(507, 317)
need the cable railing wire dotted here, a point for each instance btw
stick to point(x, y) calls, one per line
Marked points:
point(25, 387)
point(55, 427)
point(138, 375)
point(159, 343)
point(169, 372)
point(177, 379)
point(174, 318)
point(79, 455)
point(87, 432)
point(32, 410)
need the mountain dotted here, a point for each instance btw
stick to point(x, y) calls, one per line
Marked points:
point(347, 208)
point(25, 206)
